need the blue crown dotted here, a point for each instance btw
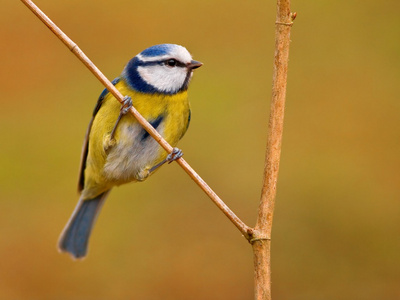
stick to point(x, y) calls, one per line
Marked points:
point(157, 50)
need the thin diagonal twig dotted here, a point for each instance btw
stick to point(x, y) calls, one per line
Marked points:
point(243, 228)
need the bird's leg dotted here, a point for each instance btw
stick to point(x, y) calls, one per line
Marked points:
point(174, 155)
point(146, 172)
point(125, 107)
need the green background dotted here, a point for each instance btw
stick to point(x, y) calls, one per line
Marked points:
point(336, 232)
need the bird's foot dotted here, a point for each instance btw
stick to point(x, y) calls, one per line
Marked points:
point(143, 174)
point(126, 105)
point(174, 155)
point(108, 142)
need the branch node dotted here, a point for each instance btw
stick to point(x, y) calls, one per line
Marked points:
point(73, 48)
point(284, 23)
point(292, 16)
point(261, 238)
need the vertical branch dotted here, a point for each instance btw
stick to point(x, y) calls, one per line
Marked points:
point(262, 237)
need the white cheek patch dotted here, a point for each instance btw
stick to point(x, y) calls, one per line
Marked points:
point(163, 78)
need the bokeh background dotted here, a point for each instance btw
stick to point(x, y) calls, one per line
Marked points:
point(336, 229)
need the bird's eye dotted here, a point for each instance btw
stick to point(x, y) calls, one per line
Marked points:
point(171, 62)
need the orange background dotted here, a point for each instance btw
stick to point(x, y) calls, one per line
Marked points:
point(337, 219)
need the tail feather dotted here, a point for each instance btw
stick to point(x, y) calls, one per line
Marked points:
point(75, 236)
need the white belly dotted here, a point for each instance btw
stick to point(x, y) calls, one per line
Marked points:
point(132, 154)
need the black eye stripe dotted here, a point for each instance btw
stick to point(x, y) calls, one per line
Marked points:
point(160, 62)
point(172, 62)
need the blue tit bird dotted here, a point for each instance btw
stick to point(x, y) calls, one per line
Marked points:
point(117, 149)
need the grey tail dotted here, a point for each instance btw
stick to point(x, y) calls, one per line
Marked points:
point(75, 236)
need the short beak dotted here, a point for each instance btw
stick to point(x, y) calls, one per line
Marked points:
point(194, 64)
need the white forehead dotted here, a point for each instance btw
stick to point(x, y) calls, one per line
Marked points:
point(165, 51)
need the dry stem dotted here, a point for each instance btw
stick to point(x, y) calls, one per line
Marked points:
point(262, 245)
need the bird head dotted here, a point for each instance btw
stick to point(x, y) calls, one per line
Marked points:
point(165, 68)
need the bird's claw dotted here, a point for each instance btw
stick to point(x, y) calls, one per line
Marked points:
point(126, 105)
point(174, 155)
point(108, 143)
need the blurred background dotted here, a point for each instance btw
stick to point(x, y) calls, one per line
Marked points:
point(336, 232)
